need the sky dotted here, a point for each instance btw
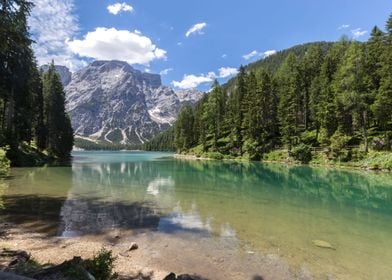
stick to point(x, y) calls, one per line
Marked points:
point(192, 42)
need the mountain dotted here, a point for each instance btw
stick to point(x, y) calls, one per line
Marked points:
point(64, 73)
point(111, 102)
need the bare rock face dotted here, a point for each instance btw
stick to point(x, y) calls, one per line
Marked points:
point(111, 101)
point(65, 74)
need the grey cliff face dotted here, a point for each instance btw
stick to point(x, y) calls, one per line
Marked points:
point(113, 102)
point(64, 73)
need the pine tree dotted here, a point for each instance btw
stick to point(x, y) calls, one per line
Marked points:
point(16, 60)
point(59, 129)
point(290, 101)
point(382, 106)
point(352, 87)
point(310, 70)
point(184, 137)
point(327, 113)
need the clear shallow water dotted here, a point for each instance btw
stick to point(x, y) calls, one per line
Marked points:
point(266, 208)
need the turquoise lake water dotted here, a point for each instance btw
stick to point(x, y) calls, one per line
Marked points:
point(267, 208)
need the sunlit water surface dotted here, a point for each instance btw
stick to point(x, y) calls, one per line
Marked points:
point(266, 208)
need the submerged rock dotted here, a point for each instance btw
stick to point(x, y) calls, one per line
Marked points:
point(133, 246)
point(323, 244)
point(171, 276)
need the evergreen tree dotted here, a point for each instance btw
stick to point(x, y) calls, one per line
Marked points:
point(213, 114)
point(15, 61)
point(184, 137)
point(352, 87)
point(310, 70)
point(382, 106)
point(290, 101)
point(60, 133)
point(236, 112)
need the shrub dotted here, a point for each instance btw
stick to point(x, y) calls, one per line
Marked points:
point(302, 153)
point(378, 160)
point(101, 266)
point(309, 137)
point(252, 150)
point(276, 155)
point(4, 163)
point(215, 155)
point(338, 144)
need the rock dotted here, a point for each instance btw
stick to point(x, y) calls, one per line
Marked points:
point(64, 73)
point(185, 277)
point(133, 246)
point(171, 276)
point(10, 276)
point(323, 244)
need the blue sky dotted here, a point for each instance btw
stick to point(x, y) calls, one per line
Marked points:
point(192, 42)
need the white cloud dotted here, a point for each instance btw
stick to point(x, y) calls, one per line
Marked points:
point(112, 44)
point(256, 54)
point(358, 32)
point(268, 53)
point(52, 24)
point(165, 71)
point(192, 81)
point(119, 7)
point(224, 55)
point(343, 26)
point(251, 55)
point(196, 29)
point(225, 72)
point(179, 44)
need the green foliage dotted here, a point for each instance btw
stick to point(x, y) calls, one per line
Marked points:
point(302, 153)
point(101, 266)
point(338, 144)
point(378, 160)
point(309, 137)
point(215, 155)
point(184, 136)
point(276, 155)
point(26, 154)
point(102, 145)
point(164, 141)
point(4, 163)
point(30, 109)
point(59, 130)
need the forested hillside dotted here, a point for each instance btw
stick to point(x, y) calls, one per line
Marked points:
point(335, 97)
point(34, 125)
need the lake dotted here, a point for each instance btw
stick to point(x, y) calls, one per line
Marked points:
point(241, 218)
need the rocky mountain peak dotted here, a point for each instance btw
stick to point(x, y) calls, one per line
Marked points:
point(64, 73)
point(110, 101)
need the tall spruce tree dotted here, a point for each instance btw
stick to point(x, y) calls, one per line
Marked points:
point(352, 88)
point(382, 106)
point(59, 129)
point(290, 101)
